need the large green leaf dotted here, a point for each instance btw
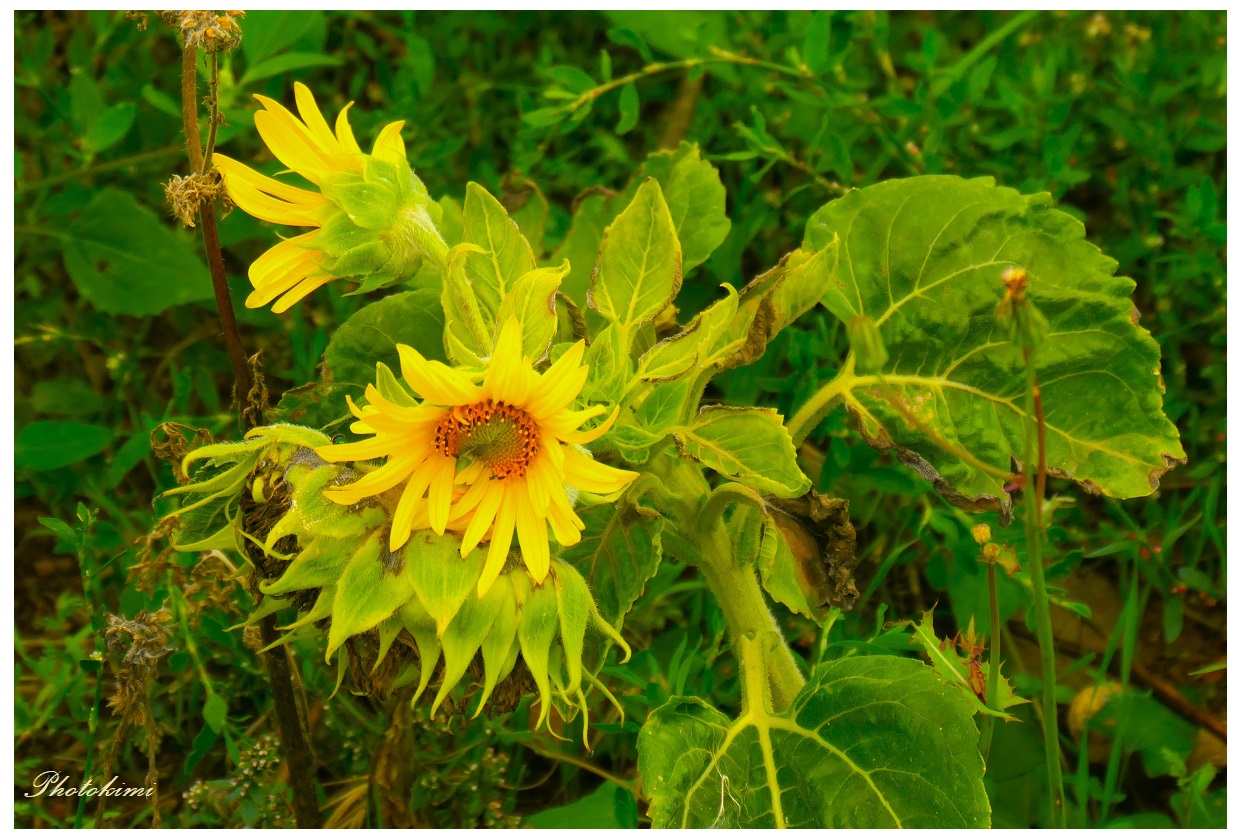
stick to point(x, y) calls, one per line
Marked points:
point(773, 300)
point(640, 266)
point(609, 807)
point(875, 741)
point(531, 302)
point(124, 260)
point(697, 200)
point(922, 259)
point(694, 194)
point(481, 275)
point(48, 444)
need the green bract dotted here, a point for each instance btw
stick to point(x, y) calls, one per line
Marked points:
point(401, 616)
point(385, 225)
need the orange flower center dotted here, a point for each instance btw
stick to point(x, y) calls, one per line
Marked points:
point(501, 436)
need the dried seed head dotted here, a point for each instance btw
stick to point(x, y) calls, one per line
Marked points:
point(187, 194)
point(211, 30)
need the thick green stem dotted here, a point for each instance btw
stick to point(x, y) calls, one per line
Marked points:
point(748, 618)
point(751, 624)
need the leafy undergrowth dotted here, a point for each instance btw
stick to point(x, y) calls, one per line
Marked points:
point(751, 122)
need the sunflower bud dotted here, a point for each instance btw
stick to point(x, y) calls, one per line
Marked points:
point(867, 345)
point(1017, 314)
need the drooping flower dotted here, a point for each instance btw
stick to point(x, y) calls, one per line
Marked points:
point(373, 220)
point(395, 614)
point(503, 453)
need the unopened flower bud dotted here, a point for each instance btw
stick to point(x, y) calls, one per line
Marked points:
point(982, 534)
point(1025, 326)
point(867, 345)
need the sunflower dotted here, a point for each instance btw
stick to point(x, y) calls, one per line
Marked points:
point(373, 219)
point(494, 458)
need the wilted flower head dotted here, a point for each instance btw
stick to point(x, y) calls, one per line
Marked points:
point(413, 610)
point(373, 220)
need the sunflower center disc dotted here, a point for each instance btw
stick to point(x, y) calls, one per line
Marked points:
point(503, 437)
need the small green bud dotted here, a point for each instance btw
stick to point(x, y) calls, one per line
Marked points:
point(867, 345)
point(1025, 326)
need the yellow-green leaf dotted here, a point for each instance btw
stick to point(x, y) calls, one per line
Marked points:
point(750, 446)
point(640, 266)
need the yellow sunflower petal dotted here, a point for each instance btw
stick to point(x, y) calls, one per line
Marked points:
point(542, 478)
point(563, 520)
point(560, 385)
point(389, 145)
point(592, 434)
point(414, 493)
point(564, 423)
point(483, 518)
point(273, 285)
point(265, 207)
point(312, 117)
point(233, 170)
point(472, 473)
point(300, 291)
point(468, 500)
point(588, 475)
point(365, 450)
point(415, 425)
point(509, 377)
point(382, 479)
point(552, 450)
point(434, 382)
point(277, 260)
point(343, 130)
point(290, 141)
point(440, 496)
point(534, 544)
point(500, 546)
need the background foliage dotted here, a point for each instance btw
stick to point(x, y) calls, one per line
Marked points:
point(1120, 116)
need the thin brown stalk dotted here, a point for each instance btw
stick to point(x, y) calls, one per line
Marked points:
point(292, 730)
point(210, 231)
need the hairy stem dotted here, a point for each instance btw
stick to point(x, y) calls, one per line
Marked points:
point(1034, 444)
point(749, 620)
point(292, 731)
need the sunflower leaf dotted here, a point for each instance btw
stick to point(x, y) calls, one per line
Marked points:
point(531, 303)
point(951, 398)
point(371, 588)
point(495, 255)
point(618, 553)
point(750, 446)
point(875, 741)
point(640, 266)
